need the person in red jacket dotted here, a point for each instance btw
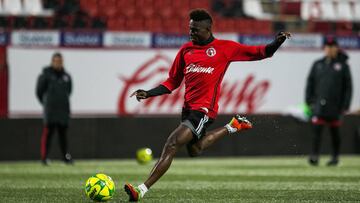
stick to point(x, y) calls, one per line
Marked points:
point(202, 63)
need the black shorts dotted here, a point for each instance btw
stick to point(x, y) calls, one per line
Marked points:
point(197, 121)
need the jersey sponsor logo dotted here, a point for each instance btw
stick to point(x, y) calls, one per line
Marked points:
point(211, 52)
point(192, 68)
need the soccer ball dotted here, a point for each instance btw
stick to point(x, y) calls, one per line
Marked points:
point(144, 155)
point(100, 187)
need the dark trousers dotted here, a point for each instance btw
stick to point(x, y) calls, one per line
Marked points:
point(335, 138)
point(47, 135)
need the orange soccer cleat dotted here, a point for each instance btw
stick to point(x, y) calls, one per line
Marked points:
point(238, 123)
point(133, 192)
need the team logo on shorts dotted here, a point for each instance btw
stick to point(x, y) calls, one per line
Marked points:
point(211, 52)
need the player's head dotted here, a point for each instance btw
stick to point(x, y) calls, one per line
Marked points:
point(331, 48)
point(57, 61)
point(200, 25)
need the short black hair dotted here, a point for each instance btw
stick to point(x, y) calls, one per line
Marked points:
point(57, 54)
point(199, 15)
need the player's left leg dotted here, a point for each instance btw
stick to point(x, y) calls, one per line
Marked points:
point(46, 137)
point(62, 133)
point(179, 137)
point(236, 124)
point(335, 137)
point(316, 144)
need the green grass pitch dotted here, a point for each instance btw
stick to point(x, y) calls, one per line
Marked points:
point(250, 179)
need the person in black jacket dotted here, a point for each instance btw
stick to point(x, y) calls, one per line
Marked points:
point(53, 90)
point(328, 93)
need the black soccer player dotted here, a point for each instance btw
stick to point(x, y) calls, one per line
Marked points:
point(202, 63)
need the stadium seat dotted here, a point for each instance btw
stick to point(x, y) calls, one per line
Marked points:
point(50, 4)
point(146, 7)
point(70, 20)
point(163, 8)
point(291, 8)
point(153, 24)
point(127, 9)
point(12, 7)
point(184, 24)
point(39, 23)
point(171, 25)
point(344, 28)
point(90, 7)
point(344, 11)
point(321, 27)
point(224, 25)
point(108, 8)
point(98, 22)
point(356, 9)
point(81, 22)
point(263, 27)
point(310, 10)
point(200, 4)
point(244, 26)
point(172, 16)
point(62, 22)
point(135, 24)
point(143, 4)
point(356, 27)
point(181, 8)
point(71, 7)
point(1, 7)
point(327, 10)
point(33, 7)
point(149, 13)
point(116, 24)
point(4, 22)
point(19, 22)
point(253, 8)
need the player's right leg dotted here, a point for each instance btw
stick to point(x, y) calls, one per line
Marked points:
point(336, 141)
point(316, 144)
point(47, 132)
point(62, 131)
point(179, 137)
point(236, 124)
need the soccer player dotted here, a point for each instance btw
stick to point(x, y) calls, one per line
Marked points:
point(202, 62)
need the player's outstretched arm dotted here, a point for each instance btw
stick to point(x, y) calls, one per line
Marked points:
point(280, 38)
point(143, 94)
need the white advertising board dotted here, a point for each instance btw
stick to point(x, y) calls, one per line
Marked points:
point(35, 38)
point(104, 79)
point(127, 39)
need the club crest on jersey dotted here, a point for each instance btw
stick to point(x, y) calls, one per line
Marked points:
point(211, 52)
